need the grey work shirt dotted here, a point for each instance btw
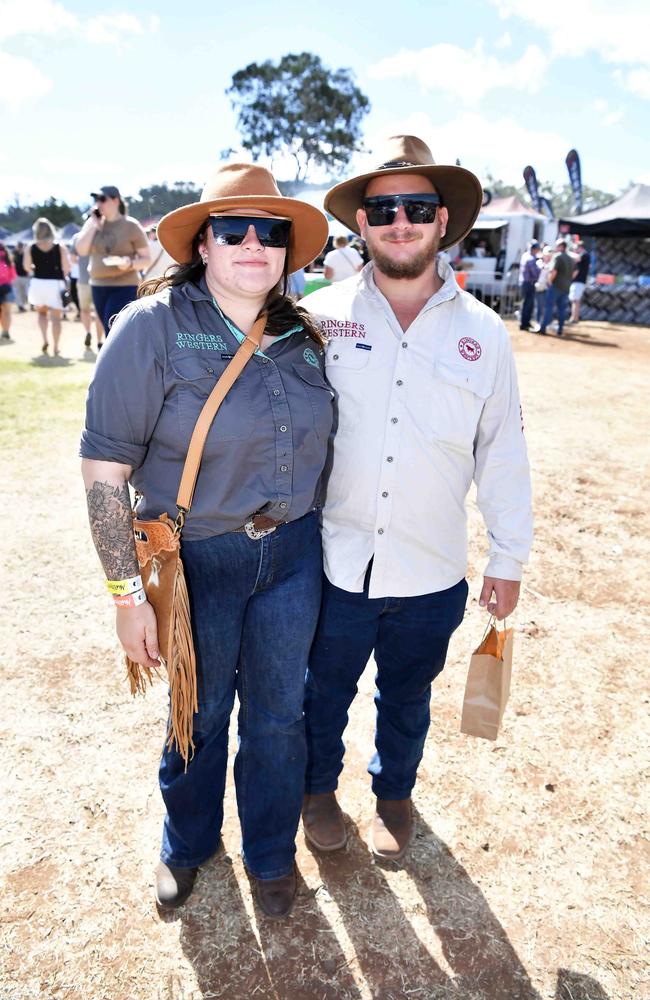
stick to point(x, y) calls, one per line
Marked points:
point(267, 445)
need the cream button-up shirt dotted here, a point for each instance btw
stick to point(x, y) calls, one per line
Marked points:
point(420, 414)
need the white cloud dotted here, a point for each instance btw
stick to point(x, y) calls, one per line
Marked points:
point(20, 81)
point(112, 28)
point(467, 74)
point(38, 17)
point(617, 32)
point(636, 81)
point(608, 116)
point(500, 146)
point(504, 42)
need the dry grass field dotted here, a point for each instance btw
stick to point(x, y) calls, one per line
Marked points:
point(528, 879)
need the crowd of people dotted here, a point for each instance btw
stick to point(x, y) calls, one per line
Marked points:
point(91, 276)
point(552, 280)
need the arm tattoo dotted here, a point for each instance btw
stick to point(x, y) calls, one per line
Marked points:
point(109, 513)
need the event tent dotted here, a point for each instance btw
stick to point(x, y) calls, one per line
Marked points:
point(628, 215)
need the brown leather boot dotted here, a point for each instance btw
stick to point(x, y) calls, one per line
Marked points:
point(275, 896)
point(391, 830)
point(323, 823)
point(173, 885)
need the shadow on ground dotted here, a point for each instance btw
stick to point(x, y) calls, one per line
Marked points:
point(355, 912)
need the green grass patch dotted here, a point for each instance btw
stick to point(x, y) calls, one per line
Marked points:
point(36, 401)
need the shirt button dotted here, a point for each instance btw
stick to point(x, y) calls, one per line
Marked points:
point(276, 392)
point(336, 357)
point(399, 382)
point(384, 494)
point(393, 420)
point(283, 428)
point(282, 505)
point(210, 371)
point(380, 531)
point(284, 468)
point(390, 458)
point(404, 344)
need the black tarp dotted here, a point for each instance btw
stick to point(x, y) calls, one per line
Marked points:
point(628, 215)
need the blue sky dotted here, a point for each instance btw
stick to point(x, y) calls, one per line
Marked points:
point(135, 95)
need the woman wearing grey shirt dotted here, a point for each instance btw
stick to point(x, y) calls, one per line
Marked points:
point(251, 544)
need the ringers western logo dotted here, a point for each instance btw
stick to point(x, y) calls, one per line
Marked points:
point(469, 349)
point(342, 328)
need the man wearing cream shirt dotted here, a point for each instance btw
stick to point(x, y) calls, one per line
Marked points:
point(427, 401)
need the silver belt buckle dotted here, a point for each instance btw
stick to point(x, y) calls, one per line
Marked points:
point(254, 532)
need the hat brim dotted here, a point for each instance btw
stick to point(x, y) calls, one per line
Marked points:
point(459, 189)
point(309, 230)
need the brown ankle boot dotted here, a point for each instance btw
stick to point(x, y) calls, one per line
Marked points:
point(322, 821)
point(275, 896)
point(391, 830)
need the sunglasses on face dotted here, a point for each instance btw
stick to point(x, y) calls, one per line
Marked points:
point(231, 230)
point(420, 208)
point(101, 198)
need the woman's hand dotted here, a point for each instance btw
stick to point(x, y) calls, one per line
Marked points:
point(137, 630)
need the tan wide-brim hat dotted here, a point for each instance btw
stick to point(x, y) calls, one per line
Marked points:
point(245, 186)
point(460, 191)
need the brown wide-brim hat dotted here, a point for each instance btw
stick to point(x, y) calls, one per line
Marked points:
point(245, 186)
point(460, 191)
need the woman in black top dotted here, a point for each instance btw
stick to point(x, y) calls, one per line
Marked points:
point(48, 264)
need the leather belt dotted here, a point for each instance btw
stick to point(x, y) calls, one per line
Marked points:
point(259, 525)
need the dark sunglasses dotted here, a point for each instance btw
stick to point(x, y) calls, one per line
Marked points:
point(420, 208)
point(230, 230)
point(102, 198)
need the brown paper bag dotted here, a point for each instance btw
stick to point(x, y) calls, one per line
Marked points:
point(488, 684)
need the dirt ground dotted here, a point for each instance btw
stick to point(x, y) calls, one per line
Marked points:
point(529, 875)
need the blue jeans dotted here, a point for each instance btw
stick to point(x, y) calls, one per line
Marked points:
point(540, 299)
point(554, 300)
point(254, 610)
point(410, 636)
point(109, 299)
point(527, 289)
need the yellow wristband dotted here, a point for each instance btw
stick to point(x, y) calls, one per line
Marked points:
point(124, 586)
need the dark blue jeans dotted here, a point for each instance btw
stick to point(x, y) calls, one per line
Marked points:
point(410, 636)
point(254, 611)
point(527, 289)
point(554, 301)
point(109, 299)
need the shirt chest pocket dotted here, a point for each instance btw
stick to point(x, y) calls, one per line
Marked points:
point(319, 396)
point(345, 361)
point(195, 377)
point(458, 397)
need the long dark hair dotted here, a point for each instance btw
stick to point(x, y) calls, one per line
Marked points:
point(283, 311)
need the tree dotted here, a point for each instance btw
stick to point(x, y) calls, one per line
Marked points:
point(160, 199)
point(300, 107)
point(560, 197)
point(18, 217)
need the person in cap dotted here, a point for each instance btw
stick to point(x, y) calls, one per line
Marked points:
point(557, 293)
point(528, 275)
point(251, 541)
point(426, 402)
point(118, 249)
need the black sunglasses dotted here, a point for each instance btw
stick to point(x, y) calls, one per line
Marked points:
point(230, 230)
point(102, 198)
point(382, 209)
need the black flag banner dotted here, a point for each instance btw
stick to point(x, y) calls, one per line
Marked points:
point(573, 166)
point(547, 207)
point(531, 183)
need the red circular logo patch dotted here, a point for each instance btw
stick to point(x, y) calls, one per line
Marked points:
point(470, 349)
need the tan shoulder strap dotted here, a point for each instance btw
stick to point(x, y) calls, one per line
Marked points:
point(199, 435)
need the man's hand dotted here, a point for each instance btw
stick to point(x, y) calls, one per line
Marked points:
point(137, 630)
point(506, 593)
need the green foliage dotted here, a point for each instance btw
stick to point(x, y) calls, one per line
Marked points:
point(299, 107)
point(18, 217)
point(159, 199)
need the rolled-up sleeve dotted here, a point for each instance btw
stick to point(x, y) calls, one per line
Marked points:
point(502, 473)
point(127, 392)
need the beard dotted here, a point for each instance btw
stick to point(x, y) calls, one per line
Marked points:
point(413, 268)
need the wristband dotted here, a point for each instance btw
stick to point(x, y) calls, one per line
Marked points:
point(130, 600)
point(124, 586)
